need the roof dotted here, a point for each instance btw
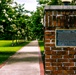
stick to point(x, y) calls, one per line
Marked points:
point(60, 7)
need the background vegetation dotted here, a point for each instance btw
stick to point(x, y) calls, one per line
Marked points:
point(15, 23)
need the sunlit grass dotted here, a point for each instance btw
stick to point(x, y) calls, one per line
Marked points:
point(41, 44)
point(6, 43)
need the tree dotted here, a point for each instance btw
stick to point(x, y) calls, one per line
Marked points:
point(73, 2)
point(4, 18)
point(12, 20)
point(54, 2)
point(49, 2)
point(36, 25)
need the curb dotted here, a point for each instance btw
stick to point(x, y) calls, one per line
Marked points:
point(41, 64)
point(1, 65)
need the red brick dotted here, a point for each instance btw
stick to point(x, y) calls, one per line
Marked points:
point(70, 49)
point(53, 33)
point(47, 56)
point(57, 72)
point(72, 52)
point(47, 44)
point(47, 40)
point(47, 64)
point(62, 60)
point(54, 48)
point(56, 64)
point(62, 52)
point(47, 72)
point(56, 56)
point(70, 71)
point(50, 60)
point(65, 49)
point(47, 60)
point(62, 68)
point(68, 56)
point(47, 32)
point(50, 52)
point(50, 68)
point(47, 48)
point(69, 64)
point(63, 72)
point(53, 40)
point(72, 60)
point(52, 44)
point(72, 68)
point(52, 37)
point(47, 37)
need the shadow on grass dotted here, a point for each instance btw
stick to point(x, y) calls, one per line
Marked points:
point(4, 56)
point(7, 51)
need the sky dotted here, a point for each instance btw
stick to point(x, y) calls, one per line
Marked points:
point(29, 4)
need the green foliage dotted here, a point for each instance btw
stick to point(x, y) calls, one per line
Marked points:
point(15, 22)
point(73, 2)
point(54, 2)
point(49, 2)
point(36, 25)
point(43, 1)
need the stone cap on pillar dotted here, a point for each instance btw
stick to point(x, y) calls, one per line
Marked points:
point(60, 7)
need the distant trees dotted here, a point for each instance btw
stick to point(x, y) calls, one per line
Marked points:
point(49, 2)
point(15, 23)
point(36, 23)
point(54, 2)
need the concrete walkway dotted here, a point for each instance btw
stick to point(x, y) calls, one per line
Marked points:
point(25, 62)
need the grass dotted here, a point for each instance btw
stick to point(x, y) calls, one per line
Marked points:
point(6, 49)
point(41, 44)
point(5, 43)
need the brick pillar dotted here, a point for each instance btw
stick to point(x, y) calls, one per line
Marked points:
point(58, 61)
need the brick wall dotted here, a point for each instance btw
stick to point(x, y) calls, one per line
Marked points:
point(58, 61)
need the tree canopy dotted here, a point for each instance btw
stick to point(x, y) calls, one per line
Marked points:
point(15, 23)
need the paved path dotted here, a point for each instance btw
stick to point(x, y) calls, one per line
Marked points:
point(24, 62)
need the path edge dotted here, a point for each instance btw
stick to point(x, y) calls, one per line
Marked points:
point(41, 63)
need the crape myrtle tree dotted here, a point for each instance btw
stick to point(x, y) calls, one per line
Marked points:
point(12, 20)
point(4, 18)
point(19, 22)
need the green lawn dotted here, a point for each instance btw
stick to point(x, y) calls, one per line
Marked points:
point(5, 43)
point(7, 50)
point(41, 44)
